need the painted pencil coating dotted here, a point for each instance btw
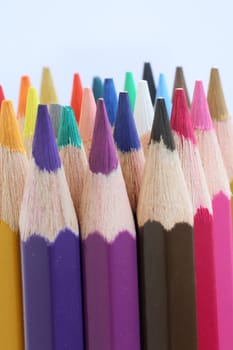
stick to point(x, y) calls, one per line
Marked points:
point(222, 123)
point(66, 291)
point(87, 118)
point(50, 249)
point(47, 88)
point(2, 95)
point(110, 99)
point(148, 76)
point(130, 87)
point(38, 317)
point(179, 82)
point(30, 119)
point(76, 96)
point(23, 91)
point(55, 111)
point(143, 113)
point(220, 195)
point(13, 169)
point(162, 91)
point(97, 88)
point(109, 248)
point(203, 222)
point(166, 254)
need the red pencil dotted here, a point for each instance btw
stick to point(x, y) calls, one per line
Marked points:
point(203, 222)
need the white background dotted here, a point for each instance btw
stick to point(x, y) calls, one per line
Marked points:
point(108, 38)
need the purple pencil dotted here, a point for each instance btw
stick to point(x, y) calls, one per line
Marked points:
point(50, 249)
point(109, 248)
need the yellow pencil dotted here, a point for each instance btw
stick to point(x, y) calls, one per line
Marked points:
point(13, 167)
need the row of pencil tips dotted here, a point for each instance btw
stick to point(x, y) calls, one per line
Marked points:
point(116, 223)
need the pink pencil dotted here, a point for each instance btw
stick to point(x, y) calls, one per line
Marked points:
point(222, 229)
point(203, 222)
point(87, 118)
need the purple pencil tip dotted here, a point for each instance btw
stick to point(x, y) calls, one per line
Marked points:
point(44, 148)
point(102, 158)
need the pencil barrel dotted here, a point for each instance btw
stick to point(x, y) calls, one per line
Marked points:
point(111, 293)
point(66, 291)
point(11, 320)
point(38, 316)
point(153, 286)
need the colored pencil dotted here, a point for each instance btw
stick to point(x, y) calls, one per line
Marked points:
point(149, 77)
point(203, 222)
point(143, 113)
point(87, 118)
point(25, 83)
point(220, 195)
point(179, 82)
point(162, 91)
point(55, 111)
point(72, 155)
point(97, 88)
point(2, 95)
point(47, 88)
point(166, 257)
point(222, 123)
point(30, 119)
point(110, 99)
point(76, 96)
point(130, 87)
point(13, 169)
point(129, 149)
point(109, 248)
point(50, 249)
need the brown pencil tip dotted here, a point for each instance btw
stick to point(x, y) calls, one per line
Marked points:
point(215, 97)
point(179, 82)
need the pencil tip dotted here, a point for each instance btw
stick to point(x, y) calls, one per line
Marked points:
point(129, 86)
point(125, 132)
point(102, 158)
point(76, 96)
point(2, 95)
point(47, 89)
point(110, 99)
point(68, 133)
point(215, 97)
point(148, 76)
point(55, 111)
point(200, 115)
point(25, 83)
point(161, 129)
point(87, 115)
point(162, 91)
point(30, 112)
point(180, 117)
point(179, 82)
point(44, 148)
point(143, 110)
point(10, 136)
point(97, 88)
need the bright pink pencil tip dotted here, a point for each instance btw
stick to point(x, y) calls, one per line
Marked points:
point(2, 96)
point(200, 114)
point(180, 116)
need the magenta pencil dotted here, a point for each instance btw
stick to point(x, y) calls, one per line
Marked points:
point(222, 229)
point(109, 248)
point(203, 222)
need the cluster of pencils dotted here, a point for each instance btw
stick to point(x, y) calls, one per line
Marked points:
point(116, 217)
